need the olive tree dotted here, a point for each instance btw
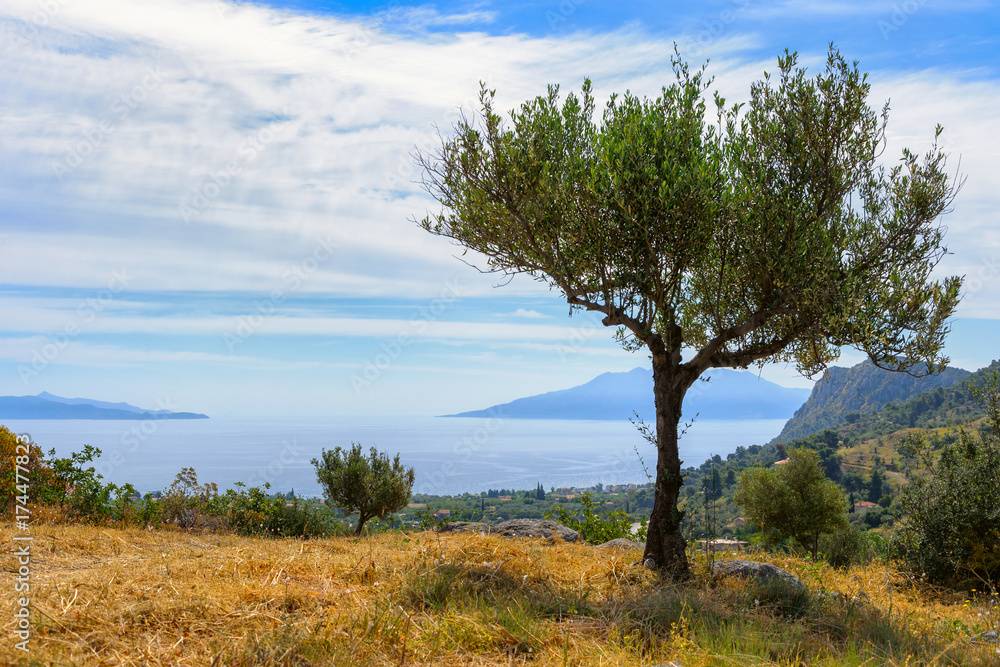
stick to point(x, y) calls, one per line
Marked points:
point(794, 500)
point(772, 234)
point(372, 486)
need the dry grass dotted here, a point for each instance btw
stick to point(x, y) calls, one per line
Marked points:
point(103, 596)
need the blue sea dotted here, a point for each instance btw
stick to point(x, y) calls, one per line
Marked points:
point(449, 455)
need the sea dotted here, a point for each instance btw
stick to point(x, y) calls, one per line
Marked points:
point(450, 456)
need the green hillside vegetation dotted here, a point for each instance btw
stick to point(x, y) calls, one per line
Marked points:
point(866, 453)
point(863, 389)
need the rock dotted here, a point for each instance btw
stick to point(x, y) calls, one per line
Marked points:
point(621, 543)
point(466, 527)
point(749, 569)
point(535, 528)
point(988, 637)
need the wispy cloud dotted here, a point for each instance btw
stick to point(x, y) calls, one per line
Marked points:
point(205, 147)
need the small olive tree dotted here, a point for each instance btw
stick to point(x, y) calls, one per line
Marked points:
point(373, 486)
point(792, 500)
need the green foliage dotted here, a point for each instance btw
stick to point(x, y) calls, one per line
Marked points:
point(849, 545)
point(774, 234)
point(253, 512)
point(594, 528)
point(373, 486)
point(79, 491)
point(876, 485)
point(30, 458)
point(792, 500)
point(952, 533)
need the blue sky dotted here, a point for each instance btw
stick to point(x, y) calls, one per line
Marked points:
point(207, 205)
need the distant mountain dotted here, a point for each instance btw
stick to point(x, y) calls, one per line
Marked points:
point(727, 395)
point(47, 406)
point(863, 388)
point(99, 404)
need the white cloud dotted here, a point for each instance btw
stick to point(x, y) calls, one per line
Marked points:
point(201, 146)
point(318, 115)
point(528, 314)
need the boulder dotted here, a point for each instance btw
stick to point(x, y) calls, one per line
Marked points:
point(535, 528)
point(748, 569)
point(988, 637)
point(465, 527)
point(621, 543)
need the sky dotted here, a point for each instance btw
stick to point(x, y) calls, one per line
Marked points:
point(209, 206)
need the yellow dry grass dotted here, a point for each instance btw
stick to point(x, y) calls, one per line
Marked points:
point(107, 596)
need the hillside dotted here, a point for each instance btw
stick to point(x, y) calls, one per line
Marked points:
point(105, 595)
point(849, 451)
point(864, 388)
point(612, 396)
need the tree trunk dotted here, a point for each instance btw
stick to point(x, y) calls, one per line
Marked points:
point(664, 543)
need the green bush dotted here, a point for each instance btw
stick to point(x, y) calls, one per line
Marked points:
point(852, 546)
point(80, 492)
point(793, 500)
point(597, 529)
point(253, 512)
point(952, 531)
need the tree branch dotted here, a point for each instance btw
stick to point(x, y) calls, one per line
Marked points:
point(614, 316)
point(702, 360)
point(743, 358)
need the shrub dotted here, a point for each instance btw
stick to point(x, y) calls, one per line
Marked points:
point(253, 512)
point(597, 529)
point(28, 457)
point(80, 492)
point(853, 546)
point(189, 504)
point(952, 532)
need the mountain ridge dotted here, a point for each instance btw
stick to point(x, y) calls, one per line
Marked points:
point(48, 406)
point(614, 396)
point(861, 388)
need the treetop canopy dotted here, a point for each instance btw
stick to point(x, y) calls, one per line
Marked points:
point(769, 233)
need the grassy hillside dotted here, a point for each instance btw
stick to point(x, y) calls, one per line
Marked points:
point(136, 597)
point(863, 389)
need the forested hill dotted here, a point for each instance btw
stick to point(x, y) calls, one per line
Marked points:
point(944, 406)
point(850, 452)
point(865, 388)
